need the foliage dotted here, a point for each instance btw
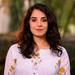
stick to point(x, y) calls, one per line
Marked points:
point(16, 13)
point(66, 15)
point(64, 10)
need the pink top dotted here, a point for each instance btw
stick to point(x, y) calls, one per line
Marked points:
point(46, 64)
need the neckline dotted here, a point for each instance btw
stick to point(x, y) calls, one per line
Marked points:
point(44, 49)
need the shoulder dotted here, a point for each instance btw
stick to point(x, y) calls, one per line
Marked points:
point(13, 49)
point(13, 46)
point(64, 52)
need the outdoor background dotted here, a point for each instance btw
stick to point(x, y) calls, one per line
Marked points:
point(12, 12)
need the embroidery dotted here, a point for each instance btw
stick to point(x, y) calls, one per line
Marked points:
point(36, 61)
point(62, 71)
point(57, 63)
point(12, 67)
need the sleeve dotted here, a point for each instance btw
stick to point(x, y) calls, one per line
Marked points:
point(65, 63)
point(10, 63)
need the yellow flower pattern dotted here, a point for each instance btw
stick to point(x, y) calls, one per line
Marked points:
point(62, 71)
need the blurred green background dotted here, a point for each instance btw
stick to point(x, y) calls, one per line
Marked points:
point(12, 12)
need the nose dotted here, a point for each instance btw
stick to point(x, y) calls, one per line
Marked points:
point(39, 23)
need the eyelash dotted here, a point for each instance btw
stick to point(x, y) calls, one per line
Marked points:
point(43, 20)
point(33, 20)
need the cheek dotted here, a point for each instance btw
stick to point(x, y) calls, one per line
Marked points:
point(32, 28)
point(32, 24)
point(46, 26)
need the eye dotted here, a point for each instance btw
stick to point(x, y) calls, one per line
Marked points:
point(33, 19)
point(44, 20)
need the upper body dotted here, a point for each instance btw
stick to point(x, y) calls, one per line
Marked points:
point(38, 50)
point(47, 63)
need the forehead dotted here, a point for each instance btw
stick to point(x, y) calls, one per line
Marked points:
point(38, 13)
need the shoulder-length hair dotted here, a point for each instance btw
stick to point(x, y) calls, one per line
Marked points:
point(25, 37)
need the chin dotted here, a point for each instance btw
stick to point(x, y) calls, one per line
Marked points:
point(39, 35)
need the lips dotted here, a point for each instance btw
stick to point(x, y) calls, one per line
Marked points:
point(39, 29)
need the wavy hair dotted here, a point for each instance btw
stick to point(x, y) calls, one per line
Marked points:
point(25, 37)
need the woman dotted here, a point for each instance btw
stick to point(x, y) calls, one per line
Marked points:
point(38, 50)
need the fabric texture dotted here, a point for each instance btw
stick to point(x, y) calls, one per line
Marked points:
point(47, 63)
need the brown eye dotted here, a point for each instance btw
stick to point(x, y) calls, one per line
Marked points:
point(33, 19)
point(44, 20)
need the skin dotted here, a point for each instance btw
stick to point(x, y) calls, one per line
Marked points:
point(38, 26)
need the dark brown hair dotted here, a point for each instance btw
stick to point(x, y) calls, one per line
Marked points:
point(25, 37)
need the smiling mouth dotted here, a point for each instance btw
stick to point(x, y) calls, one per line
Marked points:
point(39, 29)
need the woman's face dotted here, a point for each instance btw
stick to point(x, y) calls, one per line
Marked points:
point(38, 23)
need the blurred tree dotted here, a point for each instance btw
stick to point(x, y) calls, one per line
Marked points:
point(47, 2)
point(63, 10)
point(55, 5)
point(73, 15)
point(66, 15)
point(4, 16)
point(16, 13)
point(39, 1)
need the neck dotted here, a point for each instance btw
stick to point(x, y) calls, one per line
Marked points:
point(41, 42)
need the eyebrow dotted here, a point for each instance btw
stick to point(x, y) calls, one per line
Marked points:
point(36, 17)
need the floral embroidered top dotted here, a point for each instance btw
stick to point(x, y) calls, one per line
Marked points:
point(47, 63)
